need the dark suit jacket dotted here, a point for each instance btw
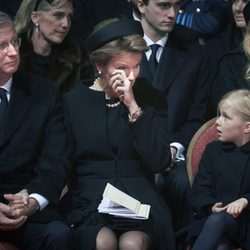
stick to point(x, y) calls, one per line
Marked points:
point(33, 146)
point(182, 74)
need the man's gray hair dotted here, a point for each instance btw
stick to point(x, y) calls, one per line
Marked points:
point(5, 19)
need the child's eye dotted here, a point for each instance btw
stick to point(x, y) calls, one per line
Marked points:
point(226, 116)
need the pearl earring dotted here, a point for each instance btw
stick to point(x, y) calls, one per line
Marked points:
point(37, 29)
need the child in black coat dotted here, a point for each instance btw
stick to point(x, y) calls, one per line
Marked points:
point(220, 193)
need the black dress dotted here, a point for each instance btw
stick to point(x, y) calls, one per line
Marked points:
point(107, 148)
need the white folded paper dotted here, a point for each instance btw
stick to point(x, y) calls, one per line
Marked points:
point(118, 203)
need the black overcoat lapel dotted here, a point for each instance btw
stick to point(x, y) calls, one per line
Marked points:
point(171, 63)
point(19, 104)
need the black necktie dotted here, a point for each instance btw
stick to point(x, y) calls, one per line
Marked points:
point(152, 59)
point(3, 105)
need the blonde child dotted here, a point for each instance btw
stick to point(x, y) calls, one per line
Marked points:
point(221, 191)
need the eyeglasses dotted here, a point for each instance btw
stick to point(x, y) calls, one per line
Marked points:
point(38, 2)
point(4, 46)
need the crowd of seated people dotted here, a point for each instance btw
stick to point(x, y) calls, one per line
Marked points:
point(152, 83)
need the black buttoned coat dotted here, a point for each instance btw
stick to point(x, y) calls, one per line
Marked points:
point(141, 150)
point(223, 176)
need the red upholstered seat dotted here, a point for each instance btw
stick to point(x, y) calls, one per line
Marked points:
point(206, 134)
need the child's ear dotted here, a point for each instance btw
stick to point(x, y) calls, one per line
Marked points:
point(247, 128)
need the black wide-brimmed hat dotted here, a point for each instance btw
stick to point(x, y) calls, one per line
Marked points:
point(122, 27)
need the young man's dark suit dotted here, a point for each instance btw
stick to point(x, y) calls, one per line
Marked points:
point(182, 74)
point(33, 148)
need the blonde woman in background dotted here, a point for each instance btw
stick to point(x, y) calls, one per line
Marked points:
point(46, 50)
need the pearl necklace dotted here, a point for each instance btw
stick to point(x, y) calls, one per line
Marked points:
point(97, 87)
point(113, 105)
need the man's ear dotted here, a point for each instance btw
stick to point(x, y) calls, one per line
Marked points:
point(35, 18)
point(247, 128)
point(140, 5)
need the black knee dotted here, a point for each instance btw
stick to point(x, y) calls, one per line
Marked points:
point(58, 236)
point(217, 220)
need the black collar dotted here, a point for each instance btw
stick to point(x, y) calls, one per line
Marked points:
point(230, 146)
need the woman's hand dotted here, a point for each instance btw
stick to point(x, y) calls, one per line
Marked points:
point(123, 89)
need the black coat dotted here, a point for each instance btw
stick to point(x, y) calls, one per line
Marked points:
point(62, 66)
point(223, 176)
point(33, 146)
point(230, 74)
point(119, 152)
point(183, 75)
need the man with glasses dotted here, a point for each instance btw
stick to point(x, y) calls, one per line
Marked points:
point(33, 163)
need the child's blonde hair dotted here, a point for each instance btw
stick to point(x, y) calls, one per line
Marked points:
point(240, 100)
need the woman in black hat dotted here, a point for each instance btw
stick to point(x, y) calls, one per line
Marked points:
point(117, 135)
